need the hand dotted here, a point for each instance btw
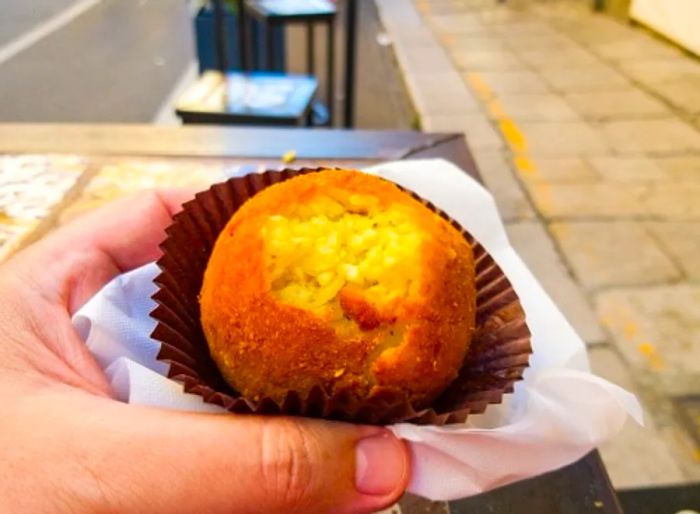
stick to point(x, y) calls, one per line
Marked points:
point(67, 446)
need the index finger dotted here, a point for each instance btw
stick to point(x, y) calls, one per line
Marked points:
point(127, 231)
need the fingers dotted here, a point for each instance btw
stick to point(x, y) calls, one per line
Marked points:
point(75, 261)
point(254, 464)
point(127, 231)
point(180, 462)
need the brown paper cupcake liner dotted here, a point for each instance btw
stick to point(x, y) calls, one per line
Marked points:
point(497, 357)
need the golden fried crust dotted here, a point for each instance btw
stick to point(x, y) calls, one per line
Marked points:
point(265, 347)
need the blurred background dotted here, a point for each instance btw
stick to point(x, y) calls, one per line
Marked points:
point(130, 61)
point(583, 117)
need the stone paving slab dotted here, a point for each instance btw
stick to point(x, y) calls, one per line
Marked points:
point(624, 103)
point(533, 107)
point(627, 169)
point(590, 200)
point(538, 42)
point(442, 94)
point(558, 58)
point(681, 167)
point(456, 22)
point(562, 138)
point(585, 79)
point(681, 241)
point(681, 94)
point(613, 253)
point(594, 30)
point(656, 332)
point(533, 244)
point(638, 456)
point(514, 81)
point(547, 170)
point(498, 177)
point(528, 27)
point(674, 201)
point(660, 69)
point(631, 49)
point(651, 136)
point(501, 18)
point(637, 175)
point(461, 42)
point(478, 59)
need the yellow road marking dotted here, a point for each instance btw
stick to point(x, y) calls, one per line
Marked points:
point(542, 197)
point(653, 358)
point(526, 167)
point(497, 110)
point(480, 87)
point(513, 136)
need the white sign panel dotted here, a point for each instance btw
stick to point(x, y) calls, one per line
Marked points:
point(678, 20)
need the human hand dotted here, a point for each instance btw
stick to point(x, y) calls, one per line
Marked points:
point(67, 446)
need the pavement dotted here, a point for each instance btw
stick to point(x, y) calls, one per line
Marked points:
point(586, 129)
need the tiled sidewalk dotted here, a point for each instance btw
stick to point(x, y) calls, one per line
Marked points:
point(586, 131)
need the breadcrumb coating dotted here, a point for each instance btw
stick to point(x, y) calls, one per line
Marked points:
point(338, 279)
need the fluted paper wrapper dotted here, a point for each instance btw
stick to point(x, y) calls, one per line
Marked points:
point(498, 353)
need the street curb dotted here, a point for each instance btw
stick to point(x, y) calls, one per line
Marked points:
point(424, 63)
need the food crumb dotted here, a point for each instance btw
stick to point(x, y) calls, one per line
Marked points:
point(599, 504)
point(289, 156)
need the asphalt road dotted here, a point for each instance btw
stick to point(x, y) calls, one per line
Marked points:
point(18, 17)
point(120, 60)
point(116, 62)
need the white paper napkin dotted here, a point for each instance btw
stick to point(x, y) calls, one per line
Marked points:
point(557, 414)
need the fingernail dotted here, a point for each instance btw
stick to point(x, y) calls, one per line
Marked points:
point(380, 464)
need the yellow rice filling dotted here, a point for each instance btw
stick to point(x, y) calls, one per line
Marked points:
point(325, 245)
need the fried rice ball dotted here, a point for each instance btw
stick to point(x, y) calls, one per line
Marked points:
point(341, 280)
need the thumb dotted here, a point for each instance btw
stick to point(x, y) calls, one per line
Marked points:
point(237, 463)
